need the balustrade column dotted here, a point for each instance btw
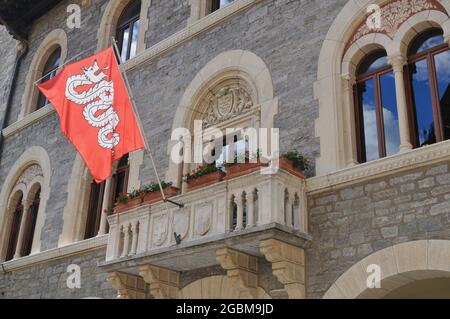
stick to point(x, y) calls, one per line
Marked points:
point(288, 212)
point(398, 62)
point(105, 207)
point(23, 221)
point(240, 213)
point(250, 209)
point(134, 230)
point(126, 241)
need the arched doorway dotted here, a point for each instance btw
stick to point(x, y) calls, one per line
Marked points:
point(416, 269)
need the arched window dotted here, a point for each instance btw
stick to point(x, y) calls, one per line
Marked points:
point(109, 191)
point(15, 227)
point(30, 224)
point(429, 76)
point(49, 71)
point(376, 111)
point(127, 30)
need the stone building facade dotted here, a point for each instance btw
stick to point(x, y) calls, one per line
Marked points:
point(299, 62)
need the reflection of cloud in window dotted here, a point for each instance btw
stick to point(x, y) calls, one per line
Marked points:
point(371, 136)
point(443, 66)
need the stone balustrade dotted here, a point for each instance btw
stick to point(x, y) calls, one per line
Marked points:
point(239, 206)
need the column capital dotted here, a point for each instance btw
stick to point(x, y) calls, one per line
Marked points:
point(163, 283)
point(350, 78)
point(397, 61)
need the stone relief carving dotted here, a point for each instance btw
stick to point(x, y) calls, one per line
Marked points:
point(229, 102)
point(160, 229)
point(29, 175)
point(394, 14)
point(180, 222)
point(203, 219)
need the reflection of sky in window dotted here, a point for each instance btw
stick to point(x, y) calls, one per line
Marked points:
point(423, 102)
point(225, 2)
point(431, 43)
point(442, 62)
point(390, 115)
point(370, 120)
point(134, 39)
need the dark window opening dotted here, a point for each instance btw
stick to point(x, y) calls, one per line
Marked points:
point(15, 229)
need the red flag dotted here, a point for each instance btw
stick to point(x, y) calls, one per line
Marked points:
point(95, 111)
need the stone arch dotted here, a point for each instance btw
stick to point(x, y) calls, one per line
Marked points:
point(358, 50)
point(215, 287)
point(54, 39)
point(400, 264)
point(36, 155)
point(333, 89)
point(417, 24)
point(235, 63)
point(109, 20)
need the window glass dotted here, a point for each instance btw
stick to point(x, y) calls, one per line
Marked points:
point(422, 103)
point(390, 115)
point(367, 102)
point(128, 30)
point(15, 228)
point(50, 70)
point(373, 63)
point(31, 224)
point(442, 63)
point(427, 41)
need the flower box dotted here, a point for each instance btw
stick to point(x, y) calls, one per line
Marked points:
point(129, 204)
point(286, 165)
point(204, 180)
point(156, 196)
point(240, 169)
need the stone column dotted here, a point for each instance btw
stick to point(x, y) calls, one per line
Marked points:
point(105, 207)
point(23, 221)
point(398, 62)
point(351, 156)
point(240, 213)
point(250, 197)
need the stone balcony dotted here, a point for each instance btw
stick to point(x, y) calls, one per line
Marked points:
point(237, 214)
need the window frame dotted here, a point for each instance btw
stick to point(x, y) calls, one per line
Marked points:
point(48, 74)
point(120, 28)
point(427, 55)
point(359, 125)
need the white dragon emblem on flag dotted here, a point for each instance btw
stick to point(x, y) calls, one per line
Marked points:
point(97, 102)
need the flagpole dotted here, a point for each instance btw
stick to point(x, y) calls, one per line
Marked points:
point(147, 147)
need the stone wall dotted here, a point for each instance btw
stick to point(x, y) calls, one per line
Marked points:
point(8, 56)
point(352, 223)
point(49, 280)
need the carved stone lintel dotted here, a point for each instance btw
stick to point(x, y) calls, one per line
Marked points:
point(163, 283)
point(288, 265)
point(128, 286)
point(242, 270)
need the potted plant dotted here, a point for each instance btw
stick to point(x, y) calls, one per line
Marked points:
point(203, 176)
point(294, 163)
point(243, 164)
point(127, 201)
point(147, 194)
point(152, 192)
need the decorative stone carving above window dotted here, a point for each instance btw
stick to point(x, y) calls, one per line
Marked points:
point(29, 175)
point(227, 103)
point(394, 14)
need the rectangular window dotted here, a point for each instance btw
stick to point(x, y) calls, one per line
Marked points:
point(94, 210)
point(218, 4)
